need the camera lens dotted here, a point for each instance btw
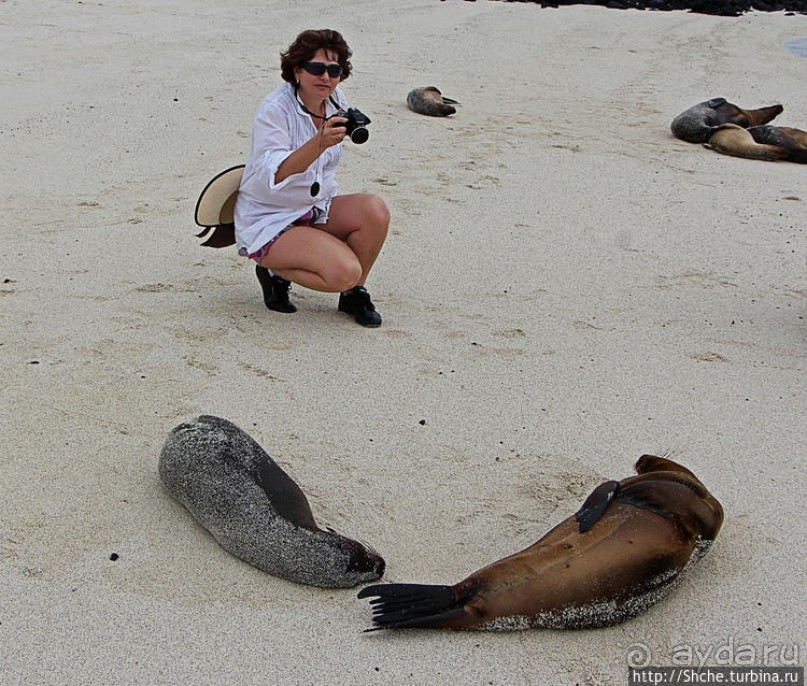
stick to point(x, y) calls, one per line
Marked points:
point(359, 135)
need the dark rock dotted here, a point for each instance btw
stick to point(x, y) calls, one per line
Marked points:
point(725, 8)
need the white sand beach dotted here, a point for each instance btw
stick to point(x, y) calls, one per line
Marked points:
point(565, 287)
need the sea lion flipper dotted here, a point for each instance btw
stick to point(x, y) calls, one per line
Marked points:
point(761, 116)
point(792, 141)
point(411, 605)
point(595, 505)
point(734, 140)
point(286, 496)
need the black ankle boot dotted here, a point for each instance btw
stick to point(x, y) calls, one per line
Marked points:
point(275, 291)
point(357, 302)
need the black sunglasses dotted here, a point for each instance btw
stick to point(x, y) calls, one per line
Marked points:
point(319, 68)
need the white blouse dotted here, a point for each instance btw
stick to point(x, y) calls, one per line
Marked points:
point(264, 208)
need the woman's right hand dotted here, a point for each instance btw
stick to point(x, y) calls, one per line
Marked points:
point(333, 131)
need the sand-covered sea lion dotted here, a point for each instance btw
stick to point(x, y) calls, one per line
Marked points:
point(698, 122)
point(736, 141)
point(618, 555)
point(255, 510)
point(431, 102)
point(792, 141)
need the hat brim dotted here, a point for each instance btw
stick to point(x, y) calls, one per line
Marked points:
point(217, 201)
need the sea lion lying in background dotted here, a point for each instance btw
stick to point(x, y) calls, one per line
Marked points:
point(760, 142)
point(697, 124)
point(430, 101)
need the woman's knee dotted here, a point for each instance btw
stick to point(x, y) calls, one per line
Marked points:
point(377, 212)
point(343, 274)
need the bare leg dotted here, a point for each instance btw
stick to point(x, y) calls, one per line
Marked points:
point(361, 221)
point(336, 256)
point(314, 259)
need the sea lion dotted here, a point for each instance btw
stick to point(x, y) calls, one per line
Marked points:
point(430, 101)
point(736, 141)
point(255, 510)
point(618, 555)
point(696, 124)
point(792, 141)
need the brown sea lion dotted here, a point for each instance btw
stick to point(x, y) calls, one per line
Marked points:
point(696, 124)
point(430, 101)
point(793, 141)
point(255, 510)
point(617, 556)
point(736, 141)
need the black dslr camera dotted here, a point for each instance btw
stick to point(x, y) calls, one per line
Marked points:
point(356, 125)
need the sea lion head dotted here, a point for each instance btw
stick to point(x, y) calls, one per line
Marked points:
point(693, 507)
point(344, 562)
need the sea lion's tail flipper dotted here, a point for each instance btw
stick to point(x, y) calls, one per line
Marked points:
point(397, 606)
point(792, 141)
point(799, 156)
point(761, 116)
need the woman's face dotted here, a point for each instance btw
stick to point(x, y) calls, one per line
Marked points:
point(318, 87)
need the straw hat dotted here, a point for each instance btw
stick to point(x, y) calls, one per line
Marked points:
point(216, 202)
point(214, 209)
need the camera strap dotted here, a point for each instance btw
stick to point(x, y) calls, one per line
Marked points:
point(309, 112)
point(315, 187)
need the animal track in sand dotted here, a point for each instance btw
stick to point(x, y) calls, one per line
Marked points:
point(709, 357)
point(693, 278)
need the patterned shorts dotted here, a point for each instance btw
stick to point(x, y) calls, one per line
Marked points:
point(308, 219)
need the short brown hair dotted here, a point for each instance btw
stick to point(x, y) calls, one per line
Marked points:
point(305, 47)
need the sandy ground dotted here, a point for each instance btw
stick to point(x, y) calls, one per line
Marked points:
point(565, 287)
